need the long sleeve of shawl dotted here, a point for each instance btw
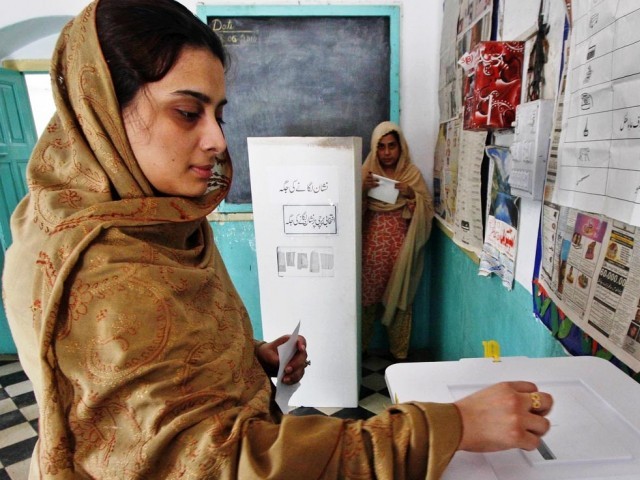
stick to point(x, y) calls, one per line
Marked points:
point(407, 441)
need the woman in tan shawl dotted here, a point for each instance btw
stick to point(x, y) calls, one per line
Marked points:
point(140, 351)
point(393, 238)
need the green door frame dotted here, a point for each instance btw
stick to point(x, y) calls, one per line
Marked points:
point(17, 138)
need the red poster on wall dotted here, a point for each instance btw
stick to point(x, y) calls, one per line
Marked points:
point(493, 85)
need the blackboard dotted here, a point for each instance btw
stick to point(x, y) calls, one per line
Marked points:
point(302, 75)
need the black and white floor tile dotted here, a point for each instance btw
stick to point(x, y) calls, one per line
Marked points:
point(373, 398)
point(18, 421)
point(19, 413)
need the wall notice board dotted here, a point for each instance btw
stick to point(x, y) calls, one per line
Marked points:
point(301, 70)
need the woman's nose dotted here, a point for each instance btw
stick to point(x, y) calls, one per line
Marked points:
point(213, 137)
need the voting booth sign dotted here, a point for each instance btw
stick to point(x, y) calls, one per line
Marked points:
point(306, 209)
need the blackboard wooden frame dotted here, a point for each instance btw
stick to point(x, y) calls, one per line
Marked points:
point(392, 13)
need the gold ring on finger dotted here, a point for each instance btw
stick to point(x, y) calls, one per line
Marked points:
point(536, 402)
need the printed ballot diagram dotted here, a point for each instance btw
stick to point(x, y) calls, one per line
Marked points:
point(305, 262)
point(599, 154)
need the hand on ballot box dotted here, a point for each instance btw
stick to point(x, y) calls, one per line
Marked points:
point(503, 416)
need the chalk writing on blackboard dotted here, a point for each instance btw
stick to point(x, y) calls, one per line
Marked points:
point(226, 30)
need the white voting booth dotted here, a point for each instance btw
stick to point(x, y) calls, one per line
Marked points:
point(595, 426)
point(306, 208)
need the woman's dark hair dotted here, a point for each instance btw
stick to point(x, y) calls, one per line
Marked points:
point(142, 39)
point(396, 135)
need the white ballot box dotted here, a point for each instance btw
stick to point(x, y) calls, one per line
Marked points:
point(595, 421)
point(306, 206)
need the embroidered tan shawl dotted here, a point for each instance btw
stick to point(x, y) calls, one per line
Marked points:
point(408, 268)
point(138, 346)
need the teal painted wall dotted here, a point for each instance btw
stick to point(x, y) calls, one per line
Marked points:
point(467, 309)
point(237, 245)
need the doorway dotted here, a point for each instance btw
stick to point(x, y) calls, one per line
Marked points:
point(17, 138)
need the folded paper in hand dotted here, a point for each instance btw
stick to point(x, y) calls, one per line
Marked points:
point(386, 190)
point(286, 351)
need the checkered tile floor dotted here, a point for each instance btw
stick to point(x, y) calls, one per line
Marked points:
point(19, 414)
point(18, 421)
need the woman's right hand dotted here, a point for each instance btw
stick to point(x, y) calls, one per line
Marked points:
point(369, 182)
point(503, 416)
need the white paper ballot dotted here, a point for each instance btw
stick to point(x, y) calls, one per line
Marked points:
point(286, 351)
point(386, 190)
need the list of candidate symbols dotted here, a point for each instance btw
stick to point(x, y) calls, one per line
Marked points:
point(599, 155)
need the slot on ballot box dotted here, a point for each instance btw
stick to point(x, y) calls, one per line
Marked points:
point(595, 430)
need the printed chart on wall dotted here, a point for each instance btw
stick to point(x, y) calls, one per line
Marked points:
point(598, 168)
point(459, 153)
point(590, 254)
